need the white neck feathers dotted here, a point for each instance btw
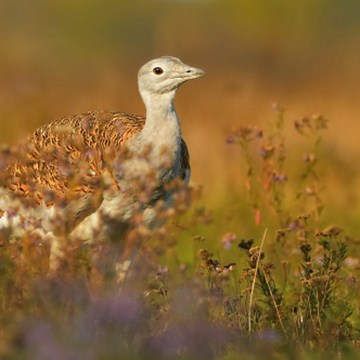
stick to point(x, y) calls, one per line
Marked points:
point(161, 117)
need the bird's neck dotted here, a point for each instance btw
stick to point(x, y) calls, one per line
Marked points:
point(162, 123)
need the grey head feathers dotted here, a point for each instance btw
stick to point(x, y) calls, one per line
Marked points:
point(165, 74)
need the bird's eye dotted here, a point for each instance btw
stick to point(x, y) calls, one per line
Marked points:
point(158, 71)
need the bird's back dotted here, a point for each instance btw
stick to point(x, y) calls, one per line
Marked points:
point(67, 156)
point(62, 164)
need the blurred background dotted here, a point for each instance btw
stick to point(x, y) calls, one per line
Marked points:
point(69, 56)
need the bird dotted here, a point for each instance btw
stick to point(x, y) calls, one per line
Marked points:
point(78, 175)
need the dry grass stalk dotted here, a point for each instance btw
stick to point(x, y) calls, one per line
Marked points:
point(254, 282)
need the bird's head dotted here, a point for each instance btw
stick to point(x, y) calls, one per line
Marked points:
point(164, 75)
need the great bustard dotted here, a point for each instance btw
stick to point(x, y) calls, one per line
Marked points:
point(81, 169)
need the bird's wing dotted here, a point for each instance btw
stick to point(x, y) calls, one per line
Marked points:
point(185, 170)
point(62, 162)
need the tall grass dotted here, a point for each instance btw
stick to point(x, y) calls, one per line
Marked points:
point(289, 292)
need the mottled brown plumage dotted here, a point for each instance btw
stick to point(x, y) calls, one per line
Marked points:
point(56, 153)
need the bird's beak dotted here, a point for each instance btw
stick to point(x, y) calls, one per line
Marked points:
point(187, 72)
point(193, 73)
